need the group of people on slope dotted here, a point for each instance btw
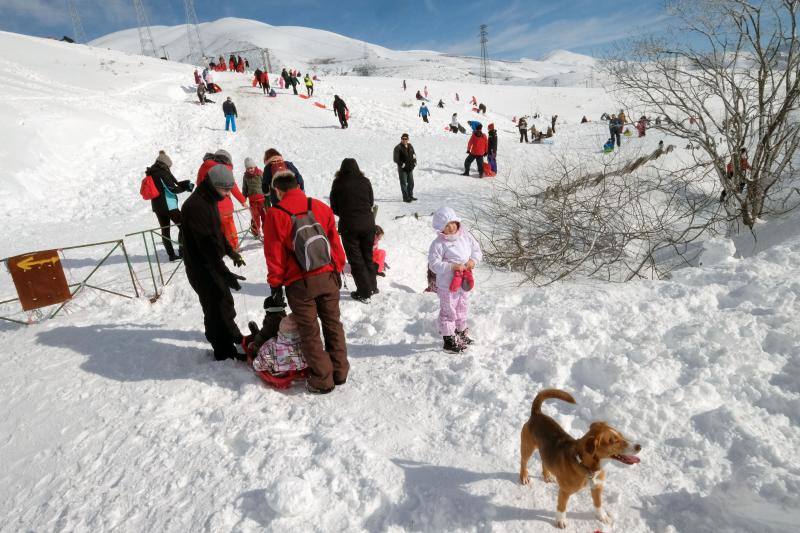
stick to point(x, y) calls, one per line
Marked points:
point(537, 136)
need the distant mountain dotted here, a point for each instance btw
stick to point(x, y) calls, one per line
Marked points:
point(328, 53)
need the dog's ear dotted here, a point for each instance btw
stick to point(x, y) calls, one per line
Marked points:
point(591, 445)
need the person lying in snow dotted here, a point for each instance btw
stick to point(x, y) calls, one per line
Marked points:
point(282, 353)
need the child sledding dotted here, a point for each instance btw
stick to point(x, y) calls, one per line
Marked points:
point(274, 351)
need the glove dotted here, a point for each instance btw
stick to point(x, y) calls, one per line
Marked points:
point(237, 260)
point(274, 303)
point(232, 281)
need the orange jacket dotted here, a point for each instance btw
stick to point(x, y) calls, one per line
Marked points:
point(226, 204)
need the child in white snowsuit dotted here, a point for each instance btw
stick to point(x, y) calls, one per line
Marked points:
point(452, 256)
point(282, 353)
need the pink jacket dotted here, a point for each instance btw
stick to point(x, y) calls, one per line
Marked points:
point(280, 354)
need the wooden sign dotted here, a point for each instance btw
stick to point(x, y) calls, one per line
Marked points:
point(39, 279)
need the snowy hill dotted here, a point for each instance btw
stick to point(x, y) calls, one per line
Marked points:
point(113, 416)
point(328, 53)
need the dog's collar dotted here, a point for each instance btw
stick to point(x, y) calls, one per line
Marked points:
point(590, 474)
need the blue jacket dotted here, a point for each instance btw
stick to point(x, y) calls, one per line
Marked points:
point(423, 111)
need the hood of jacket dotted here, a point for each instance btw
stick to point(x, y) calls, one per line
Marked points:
point(442, 216)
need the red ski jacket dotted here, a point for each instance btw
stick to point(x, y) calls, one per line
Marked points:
point(282, 266)
point(226, 204)
point(478, 145)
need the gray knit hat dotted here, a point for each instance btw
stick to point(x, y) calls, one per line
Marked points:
point(164, 158)
point(223, 154)
point(248, 162)
point(221, 177)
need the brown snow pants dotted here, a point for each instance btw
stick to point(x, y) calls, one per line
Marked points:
point(309, 299)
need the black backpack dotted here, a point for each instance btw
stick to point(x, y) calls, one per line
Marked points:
point(309, 241)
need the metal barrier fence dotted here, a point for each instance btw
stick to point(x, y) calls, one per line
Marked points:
point(121, 272)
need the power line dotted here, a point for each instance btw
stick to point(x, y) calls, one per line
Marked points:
point(77, 25)
point(145, 35)
point(194, 41)
point(484, 54)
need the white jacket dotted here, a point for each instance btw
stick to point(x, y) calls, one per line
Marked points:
point(447, 250)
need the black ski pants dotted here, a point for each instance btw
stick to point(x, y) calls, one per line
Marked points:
point(616, 137)
point(523, 135)
point(164, 219)
point(219, 316)
point(358, 248)
point(468, 163)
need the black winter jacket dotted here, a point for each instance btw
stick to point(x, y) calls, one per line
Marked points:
point(162, 176)
point(229, 108)
point(339, 107)
point(352, 200)
point(405, 157)
point(202, 242)
point(492, 142)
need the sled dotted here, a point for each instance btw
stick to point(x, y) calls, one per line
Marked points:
point(347, 114)
point(475, 110)
point(320, 105)
point(487, 171)
point(304, 96)
point(282, 382)
point(462, 129)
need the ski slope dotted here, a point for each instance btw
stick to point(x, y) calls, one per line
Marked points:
point(115, 416)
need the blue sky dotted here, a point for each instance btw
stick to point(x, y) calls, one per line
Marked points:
point(517, 28)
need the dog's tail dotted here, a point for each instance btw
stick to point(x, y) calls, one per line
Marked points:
point(546, 394)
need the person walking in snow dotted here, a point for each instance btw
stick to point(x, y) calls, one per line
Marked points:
point(492, 156)
point(522, 124)
point(477, 147)
point(452, 256)
point(615, 129)
point(165, 205)
point(352, 201)
point(313, 295)
point(309, 84)
point(553, 122)
point(203, 247)
point(274, 163)
point(231, 115)
point(340, 110)
point(404, 85)
point(252, 189)
point(264, 80)
point(424, 112)
point(405, 158)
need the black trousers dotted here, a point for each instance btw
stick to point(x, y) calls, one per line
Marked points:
point(219, 316)
point(616, 137)
point(523, 135)
point(343, 120)
point(468, 163)
point(164, 219)
point(406, 183)
point(358, 248)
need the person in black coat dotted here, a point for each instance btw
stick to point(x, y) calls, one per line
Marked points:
point(165, 205)
point(340, 110)
point(352, 200)
point(406, 159)
point(204, 246)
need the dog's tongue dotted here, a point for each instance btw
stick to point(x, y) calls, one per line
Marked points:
point(627, 459)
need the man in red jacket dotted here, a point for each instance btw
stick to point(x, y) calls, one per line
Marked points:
point(313, 294)
point(222, 157)
point(477, 148)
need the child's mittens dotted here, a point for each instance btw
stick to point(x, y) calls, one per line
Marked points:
point(467, 282)
point(458, 277)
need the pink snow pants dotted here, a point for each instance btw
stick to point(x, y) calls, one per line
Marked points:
point(453, 308)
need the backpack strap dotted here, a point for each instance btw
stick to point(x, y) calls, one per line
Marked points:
point(293, 215)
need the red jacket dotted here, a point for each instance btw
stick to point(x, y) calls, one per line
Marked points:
point(744, 165)
point(282, 266)
point(264, 78)
point(226, 204)
point(478, 144)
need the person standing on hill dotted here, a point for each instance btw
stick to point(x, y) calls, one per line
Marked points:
point(454, 123)
point(225, 205)
point(424, 112)
point(477, 147)
point(352, 201)
point(312, 287)
point(522, 124)
point(309, 84)
point(553, 122)
point(404, 85)
point(274, 163)
point(340, 110)
point(492, 148)
point(252, 190)
point(165, 205)
point(231, 115)
point(201, 93)
point(615, 129)
point(406, 159)
point(203, 247)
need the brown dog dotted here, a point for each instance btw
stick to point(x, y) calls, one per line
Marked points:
point(572, 463)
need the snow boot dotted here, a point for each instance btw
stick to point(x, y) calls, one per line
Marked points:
point(451, 345)
point(463, 336)
point(314, 390)
point(355, 295)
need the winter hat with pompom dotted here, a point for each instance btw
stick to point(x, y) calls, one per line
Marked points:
point(224, 155)
point(164, 158)
point(221, 177)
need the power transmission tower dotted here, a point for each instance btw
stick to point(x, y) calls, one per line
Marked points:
point(145, 35)
point(193, 37)
point(484, 54)
point(77, 25)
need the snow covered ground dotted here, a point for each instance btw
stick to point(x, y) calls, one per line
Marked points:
point(115, 417)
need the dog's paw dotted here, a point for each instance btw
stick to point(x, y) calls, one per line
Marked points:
point(603, 516)
point(561, 523)
point(548, 477)
point(524, 478)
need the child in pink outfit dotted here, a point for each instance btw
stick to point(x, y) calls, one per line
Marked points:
point(281, 354)
point(452, 256)
point(378, 255)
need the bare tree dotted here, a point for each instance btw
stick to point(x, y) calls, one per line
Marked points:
point(727, 78)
